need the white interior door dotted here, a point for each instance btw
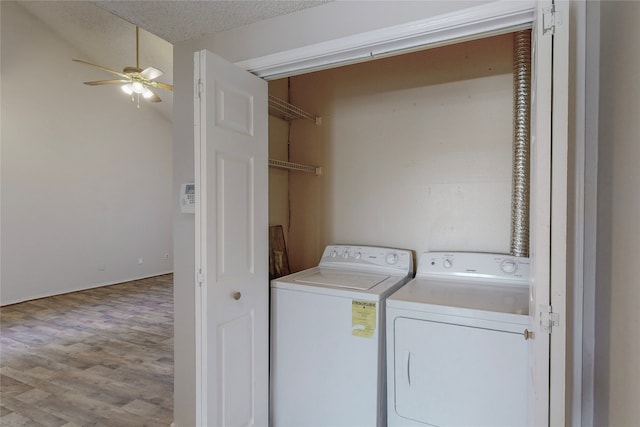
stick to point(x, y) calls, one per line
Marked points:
point(560, 123)
point(549, 148)
point(232, 323)
point(540, 221)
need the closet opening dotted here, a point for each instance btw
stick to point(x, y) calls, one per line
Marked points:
point(410, 151)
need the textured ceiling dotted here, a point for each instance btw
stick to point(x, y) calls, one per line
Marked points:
point(176, 21)
point(104, 31)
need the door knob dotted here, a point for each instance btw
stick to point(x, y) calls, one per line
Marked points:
point(528, 335)
point(236, 295)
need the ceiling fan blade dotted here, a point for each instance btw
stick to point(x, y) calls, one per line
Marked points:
point(105, 82)
point(108, 70)
point(161, 85)
point(151, 73)
point(154, 98)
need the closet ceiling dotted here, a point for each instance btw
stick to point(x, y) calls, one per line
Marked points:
point(104, 31)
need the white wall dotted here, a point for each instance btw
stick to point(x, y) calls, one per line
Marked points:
point(86, 176)
point(617, 359)
point(416, 152)
point(313, 25)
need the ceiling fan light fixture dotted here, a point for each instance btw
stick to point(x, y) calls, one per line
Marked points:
point(146, 93)
point(127, 89)
point(137, 87)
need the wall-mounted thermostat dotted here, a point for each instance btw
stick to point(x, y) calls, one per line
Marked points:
point(188, 198)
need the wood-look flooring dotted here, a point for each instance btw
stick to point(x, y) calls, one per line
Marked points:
point(100, 357)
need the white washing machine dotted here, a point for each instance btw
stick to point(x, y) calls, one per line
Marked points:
point(328, 338)
point(456, 350)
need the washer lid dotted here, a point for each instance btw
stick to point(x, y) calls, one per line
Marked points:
point(341, 279)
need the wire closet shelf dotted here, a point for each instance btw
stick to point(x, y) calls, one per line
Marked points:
point(288, 112)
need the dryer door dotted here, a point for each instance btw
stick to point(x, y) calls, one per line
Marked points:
point(453, 375)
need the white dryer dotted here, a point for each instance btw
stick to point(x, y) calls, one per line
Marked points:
point(456, 350)
point(328, 338)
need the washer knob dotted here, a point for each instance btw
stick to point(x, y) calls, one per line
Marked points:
point(345, 254)
point(391, 258)
point(334, 253)
point(447, 263)
point(509, 266)
point(357, 255)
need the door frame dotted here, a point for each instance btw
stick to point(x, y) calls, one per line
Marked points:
point(494, 18)
point(479, 21)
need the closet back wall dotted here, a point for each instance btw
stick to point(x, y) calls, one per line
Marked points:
point(415, 151)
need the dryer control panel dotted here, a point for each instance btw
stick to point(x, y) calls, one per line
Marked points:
point(477, 265)
point(370, 258)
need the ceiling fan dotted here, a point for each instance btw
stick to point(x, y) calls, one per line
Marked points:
point(134, 80)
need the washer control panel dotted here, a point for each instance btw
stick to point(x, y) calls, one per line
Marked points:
point(368, 257)
point(474, 264)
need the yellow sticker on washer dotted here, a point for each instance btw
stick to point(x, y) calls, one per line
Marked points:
point(363, 318)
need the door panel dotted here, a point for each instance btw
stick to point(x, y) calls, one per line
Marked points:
point(235, 109)
point(236, 355)
point(235, 217)
point(232, 249)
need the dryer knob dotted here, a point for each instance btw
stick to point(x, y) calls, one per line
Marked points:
point(509, 266)
point(357, 255)
point(447, 263)
point(391, 258)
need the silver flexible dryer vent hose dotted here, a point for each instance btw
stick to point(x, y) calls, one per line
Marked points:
point(521, 129)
